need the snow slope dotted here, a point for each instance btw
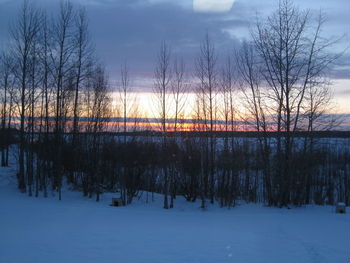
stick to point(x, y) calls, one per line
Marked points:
point(78, 229)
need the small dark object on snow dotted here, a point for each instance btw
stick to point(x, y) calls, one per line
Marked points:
point(340, 208)
point(117, 202)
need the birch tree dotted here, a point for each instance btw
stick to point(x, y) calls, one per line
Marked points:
point(162, 81)
point(23, 34)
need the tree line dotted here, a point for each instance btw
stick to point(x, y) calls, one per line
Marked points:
point(58, 97)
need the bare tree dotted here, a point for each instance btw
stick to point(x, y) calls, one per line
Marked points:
point(294, 57)
point(6, 83)
point(61, 53)
point(99, 103)
point(228, 92)
point(46, 84)
point(206, 72)
point(179, 88)
point(162, 77)
point(81, 67)
point(255, 101)
point(24, 33)
point(126, 108)
point(126, 100)
point(34, 81)
point(82, 56)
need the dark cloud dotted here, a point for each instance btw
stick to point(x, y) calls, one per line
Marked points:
point(128, 32)
point(132, 30)
point(341, 67)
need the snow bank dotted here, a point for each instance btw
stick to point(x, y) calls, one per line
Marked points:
point(78, 229)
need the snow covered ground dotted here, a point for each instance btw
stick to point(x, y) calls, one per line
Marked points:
point(78, 229)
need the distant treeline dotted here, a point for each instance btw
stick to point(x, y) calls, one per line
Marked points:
point(238, 134)
point(218, 134)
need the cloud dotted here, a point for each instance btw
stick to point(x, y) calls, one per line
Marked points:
point(341, 67)
point(135, 33)
point(132, 30)
point(212, 6)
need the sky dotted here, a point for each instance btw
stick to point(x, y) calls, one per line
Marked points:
point(132, 31)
